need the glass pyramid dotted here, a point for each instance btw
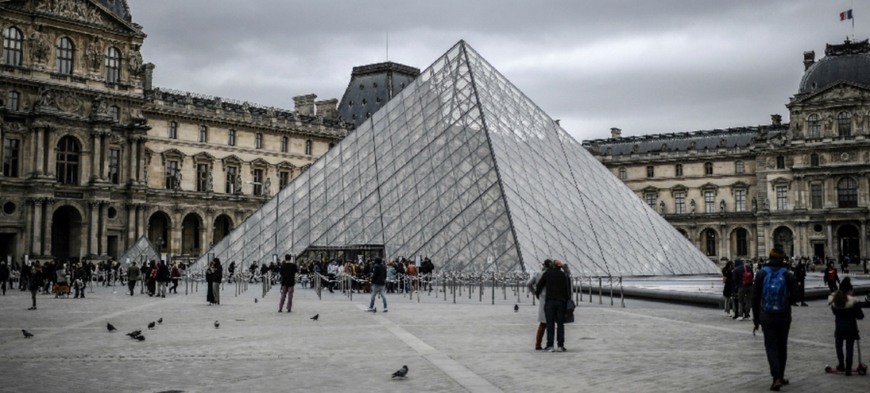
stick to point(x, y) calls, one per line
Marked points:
point(463, 168)
point(142, 250)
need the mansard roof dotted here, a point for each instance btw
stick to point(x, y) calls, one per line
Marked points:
point(739, 137)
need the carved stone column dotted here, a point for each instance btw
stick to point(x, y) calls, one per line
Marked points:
point(131, 225)
point(863, 242)
point(93, 223)
point(142, 219)
point(103, 237)
point(36, 245)
point(96, 157)
point(38, 151)
point(47, 221)
point(830, 238)
point(140, 162)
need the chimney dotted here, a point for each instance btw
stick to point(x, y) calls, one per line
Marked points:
point(615, 133)
point(304, 105)
point(327, 108)
point(776, 120)
point(809, 59)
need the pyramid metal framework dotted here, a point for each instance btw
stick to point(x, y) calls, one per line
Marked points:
point(142, 250)
point(462, 167)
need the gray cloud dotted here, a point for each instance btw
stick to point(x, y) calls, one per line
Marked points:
point(643, 66)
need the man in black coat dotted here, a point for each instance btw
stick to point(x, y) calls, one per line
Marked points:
point(288, 282)
point(4, 276)
point(379, 281)
point(558, 294)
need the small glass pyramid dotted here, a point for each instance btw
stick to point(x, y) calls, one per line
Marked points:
point(461, 167)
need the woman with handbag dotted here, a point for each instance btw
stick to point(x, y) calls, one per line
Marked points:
point(542, 316)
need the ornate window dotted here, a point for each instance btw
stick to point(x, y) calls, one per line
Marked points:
point(232, 175)
point(814, 160)
point(231, 136)
point(709, 242)
point(115, 166)
point(623, 174)
point(308, 147)
point(708, 168)
point(817, 196)
point(740, 200)
point(709, 201)
point(65, 53)
point(285, 143)
point(13, 44)
point(814, 127)
point(847, 192)
point(203, 134)
point(739, 167)
point(678, 170)
point(258, 182)
point(202, 177)
point(11, 154)
point(650, 198)
point(741, 236)
point(650, 171)
point(68, 155)
point(680, 202)
point(113, 65)
point(172, 175)
point(781, 197)
point(114, 113)
point(780, 162)
point(283, 179)
point(258, 140)
point(173, 130)
point(844, 124)
point(12, 100)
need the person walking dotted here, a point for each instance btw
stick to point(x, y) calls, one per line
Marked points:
point(79, 276)
point(151, 278)
point(133, 274)
point(847, 312)
point(163, 277)
point(379, 281)
point(288, 282)
point(217, 277)
point(555, 282)
point(4, 276)
point(34, 282)
point(742, 277)
point(831, 278)
point(728, 288)
point(542, 314)
point(772, 296)
point(800, 275)
point(174, 274)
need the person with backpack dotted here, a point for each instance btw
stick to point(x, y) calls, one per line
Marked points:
point(847, 311)
point(742, 284)
point(772, 296)
point(831, 278)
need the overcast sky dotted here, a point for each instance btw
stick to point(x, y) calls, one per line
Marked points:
point(644, 66)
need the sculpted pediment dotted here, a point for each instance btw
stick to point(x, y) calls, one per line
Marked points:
point(86, 11)
point(837, 91)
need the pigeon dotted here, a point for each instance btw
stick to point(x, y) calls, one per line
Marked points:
point(151, 325)
point(255, 300)
point(401, 373)
point(134, 333)
point(316, 317)
point(110, 327)
point(159, 321)
point(140, 338)
point(217, 324)
point(516, 307)
point(26, 333)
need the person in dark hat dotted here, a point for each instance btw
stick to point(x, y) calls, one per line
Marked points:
point(772, 296)
point(847, 312)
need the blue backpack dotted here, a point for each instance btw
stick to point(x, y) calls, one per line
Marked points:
point(774, 293)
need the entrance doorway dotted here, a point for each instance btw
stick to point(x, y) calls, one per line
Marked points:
point(848, 236)
point(819, 250)
point(784, 236)
point(66, 234)
point(158, 231)
point(8, 242)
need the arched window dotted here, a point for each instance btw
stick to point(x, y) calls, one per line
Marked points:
point(708, 168)
point(847, 192)
point(68, 155)
point(814, 160)
point(65, 51)
point(844, 124)
point(710, 242)
point(814, 127)
point(308, 147)
point(113, 65)
point(13, 44)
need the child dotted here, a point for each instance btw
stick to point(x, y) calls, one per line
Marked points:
point(847, 313)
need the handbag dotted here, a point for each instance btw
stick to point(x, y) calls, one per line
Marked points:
point(569, 311)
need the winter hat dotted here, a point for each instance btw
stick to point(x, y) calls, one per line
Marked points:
point(777, 252)
point(846, 285)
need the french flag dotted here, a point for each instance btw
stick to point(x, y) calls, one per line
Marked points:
point(846, 15)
